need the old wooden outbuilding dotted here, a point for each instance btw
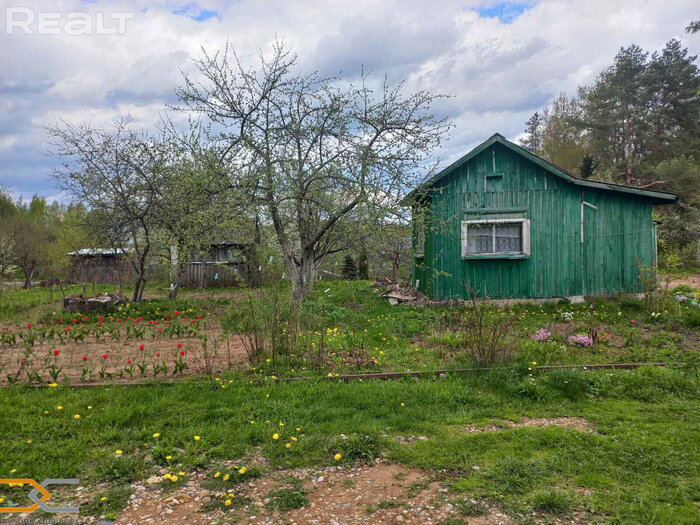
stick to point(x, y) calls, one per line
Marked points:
point(513, 225)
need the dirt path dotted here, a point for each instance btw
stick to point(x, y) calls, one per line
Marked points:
point(380, 494)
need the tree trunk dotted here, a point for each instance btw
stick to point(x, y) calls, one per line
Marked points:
point(303, 277)
point(141, 276)
point(28, 272)
point(176, 272)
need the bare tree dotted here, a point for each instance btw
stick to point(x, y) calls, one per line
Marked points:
point(117, 172)
point(314, 153)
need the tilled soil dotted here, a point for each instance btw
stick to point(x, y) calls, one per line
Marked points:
point(223, 352)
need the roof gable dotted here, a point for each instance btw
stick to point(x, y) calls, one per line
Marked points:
point(658, 197)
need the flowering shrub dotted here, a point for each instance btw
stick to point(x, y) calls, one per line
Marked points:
point(567, 316)
point(583, 341)
point(542, 335)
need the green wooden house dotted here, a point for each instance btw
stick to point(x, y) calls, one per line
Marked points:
point(513, 225)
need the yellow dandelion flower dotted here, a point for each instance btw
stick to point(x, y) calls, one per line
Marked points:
point(243, 470)
point(217, 474)
point(167, 476)
point(103, 498)
point(173, 478)
point(118, 452)
point(29, 441)
point(77, 416)
point(227, 502)
point(337, 457)
point(275, 436)
point(89, 407)
point(226, 476)
point(13, 471)
point(59, 407)
point(197, 438)
point(53, 385)
point(288, 445)
point(156, 435)
point(168, 458)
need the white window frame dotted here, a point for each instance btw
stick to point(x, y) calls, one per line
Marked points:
point(525, 229)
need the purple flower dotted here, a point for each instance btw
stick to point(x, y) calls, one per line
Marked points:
point(542, 335)
point(580, 340)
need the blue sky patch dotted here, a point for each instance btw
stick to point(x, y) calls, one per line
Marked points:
point(506, 12)
point(195, 12)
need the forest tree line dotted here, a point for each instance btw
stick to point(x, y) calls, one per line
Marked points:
point(638, 123)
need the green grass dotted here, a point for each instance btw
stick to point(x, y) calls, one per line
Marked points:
point(641, 464)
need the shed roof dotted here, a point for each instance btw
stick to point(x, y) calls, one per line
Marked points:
point(97, 252)
point(658, 197)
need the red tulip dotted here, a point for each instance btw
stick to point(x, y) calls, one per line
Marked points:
point(141, 347)
point(104, 356)
point(84, 358)
point(75, 320)
point(177, 312)
point(179, 345)
point(67, 328)
point(199, 316)
point(157, 354)
point(55, 352)
point(29, 325)
point(4, 328)
point(182, 353)
point(128, 361)
point(101, 318)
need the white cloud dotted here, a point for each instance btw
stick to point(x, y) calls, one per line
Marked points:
point(498, 72)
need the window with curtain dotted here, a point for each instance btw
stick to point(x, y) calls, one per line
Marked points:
point(507, 237)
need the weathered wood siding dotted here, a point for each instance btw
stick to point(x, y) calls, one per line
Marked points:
point(616, 236)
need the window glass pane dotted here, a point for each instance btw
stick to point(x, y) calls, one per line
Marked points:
point(480, 238)
point(508, 238)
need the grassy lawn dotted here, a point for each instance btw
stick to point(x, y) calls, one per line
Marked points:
point(497, 438)
point(640, 463)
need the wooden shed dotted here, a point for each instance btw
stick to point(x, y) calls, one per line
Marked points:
point(513, 225)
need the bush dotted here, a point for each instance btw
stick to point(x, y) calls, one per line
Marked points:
point(489, 333)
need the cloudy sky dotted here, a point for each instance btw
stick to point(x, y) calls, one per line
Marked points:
point(500, 61)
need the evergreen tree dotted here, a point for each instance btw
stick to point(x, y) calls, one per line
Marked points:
point(533, 130)
point(349, 270)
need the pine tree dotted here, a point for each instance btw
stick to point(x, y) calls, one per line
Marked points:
point(533, 140)
point(349, 270)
